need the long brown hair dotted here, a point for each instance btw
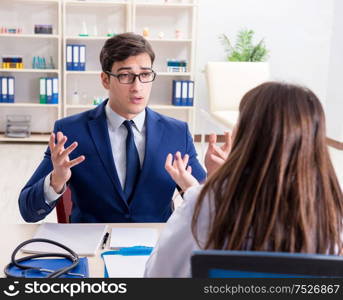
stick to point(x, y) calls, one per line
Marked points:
point(277, 191)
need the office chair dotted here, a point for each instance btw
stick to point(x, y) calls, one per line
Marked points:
point(256, 264)
point(227, 83)
point(63, 207)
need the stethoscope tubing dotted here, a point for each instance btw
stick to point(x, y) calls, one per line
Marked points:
point(72, 256)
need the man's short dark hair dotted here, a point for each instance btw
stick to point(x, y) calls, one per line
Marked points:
point(122, 46)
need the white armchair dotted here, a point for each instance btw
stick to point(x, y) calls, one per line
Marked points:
point(228, 82)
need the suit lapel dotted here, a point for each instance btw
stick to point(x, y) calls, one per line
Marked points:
point(99, 132)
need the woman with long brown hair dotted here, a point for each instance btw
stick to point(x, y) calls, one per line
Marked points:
point(276, 191)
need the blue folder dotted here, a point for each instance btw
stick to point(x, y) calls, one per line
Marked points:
point(126, 251)
point(51, 264)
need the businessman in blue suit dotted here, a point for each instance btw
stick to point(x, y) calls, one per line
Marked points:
point(112, 157)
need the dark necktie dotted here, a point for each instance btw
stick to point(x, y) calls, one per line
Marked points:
point(132, 162)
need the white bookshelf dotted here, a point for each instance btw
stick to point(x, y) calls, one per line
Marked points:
point(29, 36)
point(25, 14)
point(34, 138)
point(89, 22)
point(27, 70)
point(96, 19)
point(168, 16)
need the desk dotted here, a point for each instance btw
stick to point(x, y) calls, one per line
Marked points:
point(13, 234)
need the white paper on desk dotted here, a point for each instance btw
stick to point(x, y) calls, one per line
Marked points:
point(125, 266)
point(84, 239)
point(129, 237)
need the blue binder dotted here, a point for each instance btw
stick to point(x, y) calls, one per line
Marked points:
point(76, 58)
point(49, 90)
point(1, 89)
point(190, 97)
point(126, 251)
point(69, 56)
point(184, 93)
point(177, 87)
point(10, 89)
point(82, 57)
point(51, 264)
point(4, 89)
point(54, 90)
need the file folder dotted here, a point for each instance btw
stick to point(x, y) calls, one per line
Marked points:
point(49, 90)
point(4, 89)
point(184, 93)
point(190, 98)
point(69, 57)
point(54, 90)
point(76, 58)
point(51, 264)
point(176, 100)
point(10, 89)
point(126, 262)
point(82, 58)
point(42, 90)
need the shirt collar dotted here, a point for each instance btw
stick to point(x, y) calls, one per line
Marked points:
point(115, 120)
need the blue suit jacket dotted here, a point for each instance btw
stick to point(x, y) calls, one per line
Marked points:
point(96, 191)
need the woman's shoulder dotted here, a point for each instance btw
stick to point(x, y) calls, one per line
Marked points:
point(191, 197)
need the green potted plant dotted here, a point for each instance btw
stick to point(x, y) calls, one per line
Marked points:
point(244, 49)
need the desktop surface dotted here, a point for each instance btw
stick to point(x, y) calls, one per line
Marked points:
point(13, 234)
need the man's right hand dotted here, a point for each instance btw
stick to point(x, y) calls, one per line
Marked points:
point(216, 156)
point(61, 172)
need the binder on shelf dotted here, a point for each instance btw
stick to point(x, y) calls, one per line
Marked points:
point(49, 90)
point(4, 89)
point(76, 58)
point(69, 57)
point(42, 90)
point(190, 98)
point(54, 90)
point(1, 90)
point(184, 93)
point(176, 99)
point(10, 89)
point(82, 57)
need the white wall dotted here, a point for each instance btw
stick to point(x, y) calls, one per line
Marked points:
point(298, 34)
point(334, 103)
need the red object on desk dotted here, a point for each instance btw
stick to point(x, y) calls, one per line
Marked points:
point(63, 207)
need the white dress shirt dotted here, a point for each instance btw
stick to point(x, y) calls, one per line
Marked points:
point(169, 260)
point(117, 133)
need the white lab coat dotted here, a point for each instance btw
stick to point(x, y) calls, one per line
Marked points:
point(171, 256)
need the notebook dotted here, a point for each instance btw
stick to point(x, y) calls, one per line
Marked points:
point(129, 237)
point(84, 239)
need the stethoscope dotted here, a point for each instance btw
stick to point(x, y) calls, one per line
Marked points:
point(71, 255)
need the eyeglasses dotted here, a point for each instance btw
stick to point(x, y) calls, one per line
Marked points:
point(129, 78)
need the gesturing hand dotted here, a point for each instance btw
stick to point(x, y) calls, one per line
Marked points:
point(178, 171)
point(216, 156)
point(61, 162)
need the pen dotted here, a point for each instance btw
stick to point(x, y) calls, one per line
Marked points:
point(105, 240)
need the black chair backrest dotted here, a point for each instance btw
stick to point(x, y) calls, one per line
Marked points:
point(255, 264)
